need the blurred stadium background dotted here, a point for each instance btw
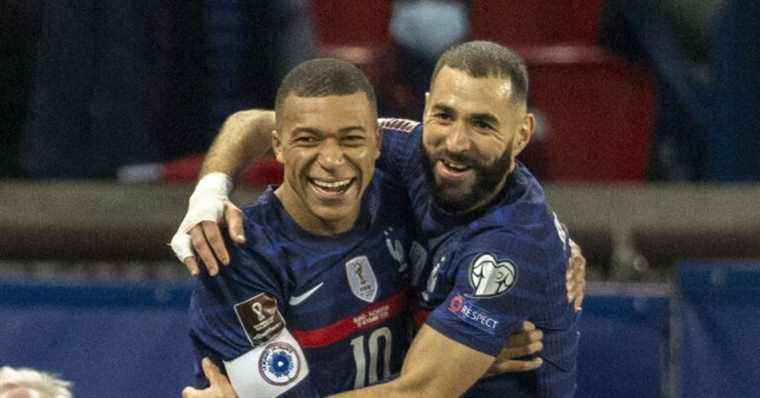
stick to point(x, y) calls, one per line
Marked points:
point(664, 206)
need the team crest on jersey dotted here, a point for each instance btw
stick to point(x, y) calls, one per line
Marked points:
point(260, 318)
point(279, 363)
point(404, 125)
point(418, 256)
point(396, 249)
point(490, 277)
point(361, 278)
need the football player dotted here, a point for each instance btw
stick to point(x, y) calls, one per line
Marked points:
point(497, 252)
point(315, 301)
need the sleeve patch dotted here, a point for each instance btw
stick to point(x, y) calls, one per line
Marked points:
point(269, 370)
point(466, 310)
point(490, 277)
point(260, 318)
point(403, 125)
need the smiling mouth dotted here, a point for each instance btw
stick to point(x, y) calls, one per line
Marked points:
point(331, 187)
point(455, 170)
point(454, 166)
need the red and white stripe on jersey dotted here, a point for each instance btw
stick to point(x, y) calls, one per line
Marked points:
point(403, 125)
point(372, 315)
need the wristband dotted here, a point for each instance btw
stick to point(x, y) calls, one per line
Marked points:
point(215, 183)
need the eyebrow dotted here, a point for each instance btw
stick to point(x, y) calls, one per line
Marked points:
point(443, 108)
point(484, 117)
point(351, 128)
point(305, 130)
point(311, 130)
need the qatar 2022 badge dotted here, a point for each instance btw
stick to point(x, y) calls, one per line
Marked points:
point(279, 364)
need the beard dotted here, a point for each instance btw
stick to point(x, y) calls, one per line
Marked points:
point(487, 179)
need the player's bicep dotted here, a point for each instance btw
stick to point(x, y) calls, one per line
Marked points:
point(270, 369)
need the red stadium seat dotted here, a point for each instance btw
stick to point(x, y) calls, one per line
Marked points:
point(520, 23)
point(597, 113)
point(350, 22)
point(263, 172)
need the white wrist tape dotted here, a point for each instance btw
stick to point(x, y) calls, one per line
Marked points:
point(215, 183)
point(206, 204)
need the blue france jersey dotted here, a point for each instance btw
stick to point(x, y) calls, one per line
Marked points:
point(343, 298)
point(488, 272)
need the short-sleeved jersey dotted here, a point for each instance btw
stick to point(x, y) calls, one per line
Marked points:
point(487, 272)
point(342, 297)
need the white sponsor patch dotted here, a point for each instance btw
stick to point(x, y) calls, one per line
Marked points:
point(489, 277)
point(296, 300)
point(361, 278)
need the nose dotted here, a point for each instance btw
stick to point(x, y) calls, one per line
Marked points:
point(457, 141)
point(331, 154)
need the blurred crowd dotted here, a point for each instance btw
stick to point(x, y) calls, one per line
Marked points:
point(93, 87)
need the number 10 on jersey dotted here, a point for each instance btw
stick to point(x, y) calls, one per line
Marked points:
point(373, 346)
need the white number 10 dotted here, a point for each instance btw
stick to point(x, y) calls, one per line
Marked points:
point(361, 359)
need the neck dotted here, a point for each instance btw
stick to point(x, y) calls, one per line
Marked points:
point(300, 213)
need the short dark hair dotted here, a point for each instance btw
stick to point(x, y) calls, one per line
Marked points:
point(487, 59)
point(324, 77)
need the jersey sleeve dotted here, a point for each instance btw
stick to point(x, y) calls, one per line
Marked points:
point(236, 320)
point(500, 281)
point(400, 150)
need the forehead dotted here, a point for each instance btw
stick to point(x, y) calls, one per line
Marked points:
point(327, 113)
point(464, 93)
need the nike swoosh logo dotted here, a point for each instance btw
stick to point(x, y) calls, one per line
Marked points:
point(295, 300)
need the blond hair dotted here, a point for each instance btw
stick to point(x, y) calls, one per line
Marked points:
point(46, 385)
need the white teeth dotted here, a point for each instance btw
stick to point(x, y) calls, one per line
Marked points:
point(333, 184)
point(455, 166)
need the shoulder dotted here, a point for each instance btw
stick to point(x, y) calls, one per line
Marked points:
point(263, 223)
point(399, 131)
point(263, 205)
point(398, 125)
point(530, 236)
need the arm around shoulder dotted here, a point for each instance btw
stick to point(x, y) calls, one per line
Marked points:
point(244, 136)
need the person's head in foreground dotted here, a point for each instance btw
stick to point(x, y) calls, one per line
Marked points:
point(30, 383)
point(476, 123)
point(328, 140)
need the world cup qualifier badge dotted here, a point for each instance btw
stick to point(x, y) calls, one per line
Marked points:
point(260, 318)
point(490, 277)
point(279, 363)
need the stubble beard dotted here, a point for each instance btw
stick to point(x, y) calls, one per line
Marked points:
point(487, 181)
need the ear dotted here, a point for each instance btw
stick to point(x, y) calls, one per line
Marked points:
point(525, 132)
point(427, 99)
point(379, 141)
point(277, 146)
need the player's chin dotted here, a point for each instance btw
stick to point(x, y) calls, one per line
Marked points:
point(455, 193)
point(454, 200)
point(334, 213)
